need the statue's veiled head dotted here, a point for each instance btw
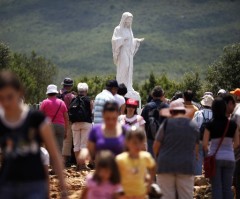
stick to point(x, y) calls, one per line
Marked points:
point(126, 20)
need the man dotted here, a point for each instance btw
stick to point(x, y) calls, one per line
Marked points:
point(200, 118)
point(156, 103)
point(236, 118)
point(119, 97)
point(106, 95)
point(67, 96)
point(80, 114)
point(191, 108)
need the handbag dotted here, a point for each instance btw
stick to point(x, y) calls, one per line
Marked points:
point(56, 112)
point(210, 161)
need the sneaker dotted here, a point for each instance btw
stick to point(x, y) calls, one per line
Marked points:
point(82, 168)
point(91, 165)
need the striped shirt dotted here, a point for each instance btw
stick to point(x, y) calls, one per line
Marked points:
point(99, 102)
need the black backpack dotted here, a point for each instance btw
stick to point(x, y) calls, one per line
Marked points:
point(203, 126)
point(155, 121)
point(77, 110)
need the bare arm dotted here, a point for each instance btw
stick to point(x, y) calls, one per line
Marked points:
point(236, 139)
point(84, 193)
point(206, 137)
point(92, 149)
point(50, 143)
point(156, 148)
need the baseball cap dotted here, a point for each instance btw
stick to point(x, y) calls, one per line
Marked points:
point(112, 84)
point(207, 100)
point(221, 91)
point(51, 89)
point(67, 82)
point(236, 92)
point(132, 102)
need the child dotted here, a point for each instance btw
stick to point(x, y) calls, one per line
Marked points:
point(133, 165)
point(105, 182)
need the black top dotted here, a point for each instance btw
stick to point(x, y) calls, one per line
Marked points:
point(21, 150)
point(217, 127)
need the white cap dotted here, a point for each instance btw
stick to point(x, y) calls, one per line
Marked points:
point(207, 100)
point(221, 91)
point(52, 89)
point(82, 87)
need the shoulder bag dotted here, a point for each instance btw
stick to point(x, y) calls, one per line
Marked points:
point(56, 112)
point(210, 161)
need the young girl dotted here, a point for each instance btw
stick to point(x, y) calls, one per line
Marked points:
point(22, 132)
point(105, 182)
point(133, 165)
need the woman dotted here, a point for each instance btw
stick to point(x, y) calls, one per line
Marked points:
point(132, 118)
point(225, 160)
point(175, 147)
point(22, 132)
point(57, 111)
point(110, 134)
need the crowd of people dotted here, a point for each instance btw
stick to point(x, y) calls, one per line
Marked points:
point(133, 150)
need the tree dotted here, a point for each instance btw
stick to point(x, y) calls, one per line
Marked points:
point(4, 56)
point(225, 72)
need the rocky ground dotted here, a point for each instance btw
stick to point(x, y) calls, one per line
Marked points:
point(75, 181)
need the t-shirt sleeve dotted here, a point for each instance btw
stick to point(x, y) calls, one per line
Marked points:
point(150, 162)
point(64, 108)
point(92, 135)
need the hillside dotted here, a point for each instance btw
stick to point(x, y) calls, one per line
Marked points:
point(180, 36)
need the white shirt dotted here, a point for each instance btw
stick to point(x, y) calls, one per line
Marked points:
point(136, 120)
point(198, 116)
point(120, 100)
point(45, 156)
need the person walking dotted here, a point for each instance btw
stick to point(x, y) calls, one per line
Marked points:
point(56, 110)
point(80, 114)
point(220, 127)
point(23, 131)
point(175, 148)
point(148, 114)
point(103, 97)
point(189, 105)
point(201, 118)
point(66, 94)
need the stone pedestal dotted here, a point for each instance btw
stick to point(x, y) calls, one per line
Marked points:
point(135, 95)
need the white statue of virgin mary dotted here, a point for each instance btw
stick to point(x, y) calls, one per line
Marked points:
point(124, 47)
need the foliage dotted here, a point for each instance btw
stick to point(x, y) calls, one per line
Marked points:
point(76, 34)
point(225, 72)
point(4, 55)
point(35, 71)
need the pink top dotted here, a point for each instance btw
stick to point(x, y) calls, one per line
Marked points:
point(50, 106)
point(101, 191)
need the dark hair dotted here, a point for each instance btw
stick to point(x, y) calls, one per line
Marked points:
point(228, 98)
point(177, 95)
point(106, 160)
point(135, 133)
point(122, 89)
point(157, 92)
point(52, 94)
point(9, 79)
point(135, 112)
point(219, 108)
point(111, 106)
point(188, 95)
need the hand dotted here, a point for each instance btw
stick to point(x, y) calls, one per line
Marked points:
point(141, 39)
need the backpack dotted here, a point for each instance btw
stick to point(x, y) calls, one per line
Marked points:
point(155, 121)
point(77, 110)
point(203, 126)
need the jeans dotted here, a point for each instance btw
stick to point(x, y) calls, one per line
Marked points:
point(150, 146)
point(222, 181)
point(199, 162)
point(176, 183)
point(237, 179)
point(30, 190)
